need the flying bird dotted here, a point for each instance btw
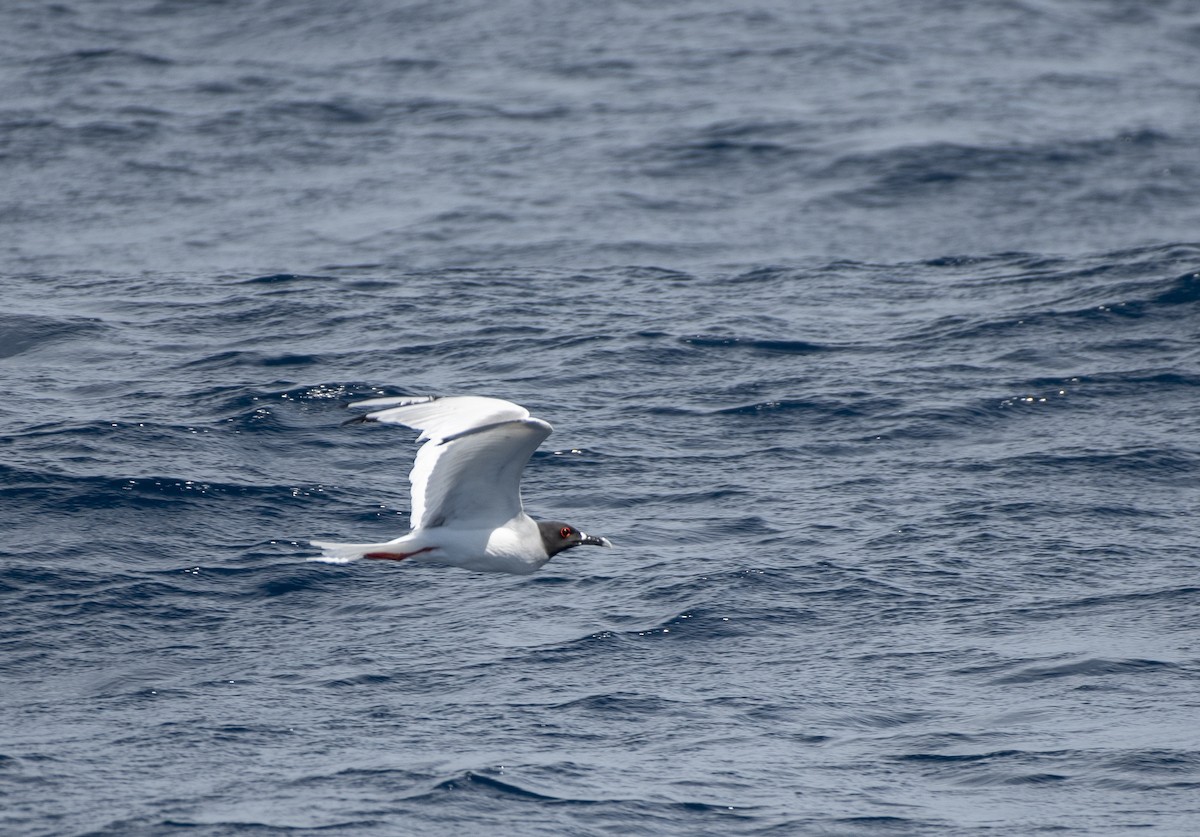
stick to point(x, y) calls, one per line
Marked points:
point(466, 488)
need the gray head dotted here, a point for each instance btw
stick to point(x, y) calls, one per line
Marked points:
point(559, 536)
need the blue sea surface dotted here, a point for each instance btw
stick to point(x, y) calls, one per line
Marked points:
point(871, 337)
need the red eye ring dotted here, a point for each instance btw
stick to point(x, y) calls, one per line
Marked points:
point(564, 532)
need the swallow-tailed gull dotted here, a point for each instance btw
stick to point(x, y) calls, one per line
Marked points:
point(466, 488)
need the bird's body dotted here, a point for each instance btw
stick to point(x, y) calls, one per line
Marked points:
point(466, 488)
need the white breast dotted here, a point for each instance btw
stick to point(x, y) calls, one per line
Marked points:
point(515, 547)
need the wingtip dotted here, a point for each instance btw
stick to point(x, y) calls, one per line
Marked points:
point(392, 401)
point(358, 420)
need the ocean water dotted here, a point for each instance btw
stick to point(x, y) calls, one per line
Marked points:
point(871, 337)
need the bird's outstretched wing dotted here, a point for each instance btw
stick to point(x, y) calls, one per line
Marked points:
point(468, 472)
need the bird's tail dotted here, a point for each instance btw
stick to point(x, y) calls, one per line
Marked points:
point(343, 553)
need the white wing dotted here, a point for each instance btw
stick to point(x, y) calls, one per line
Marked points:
point(469, 469)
